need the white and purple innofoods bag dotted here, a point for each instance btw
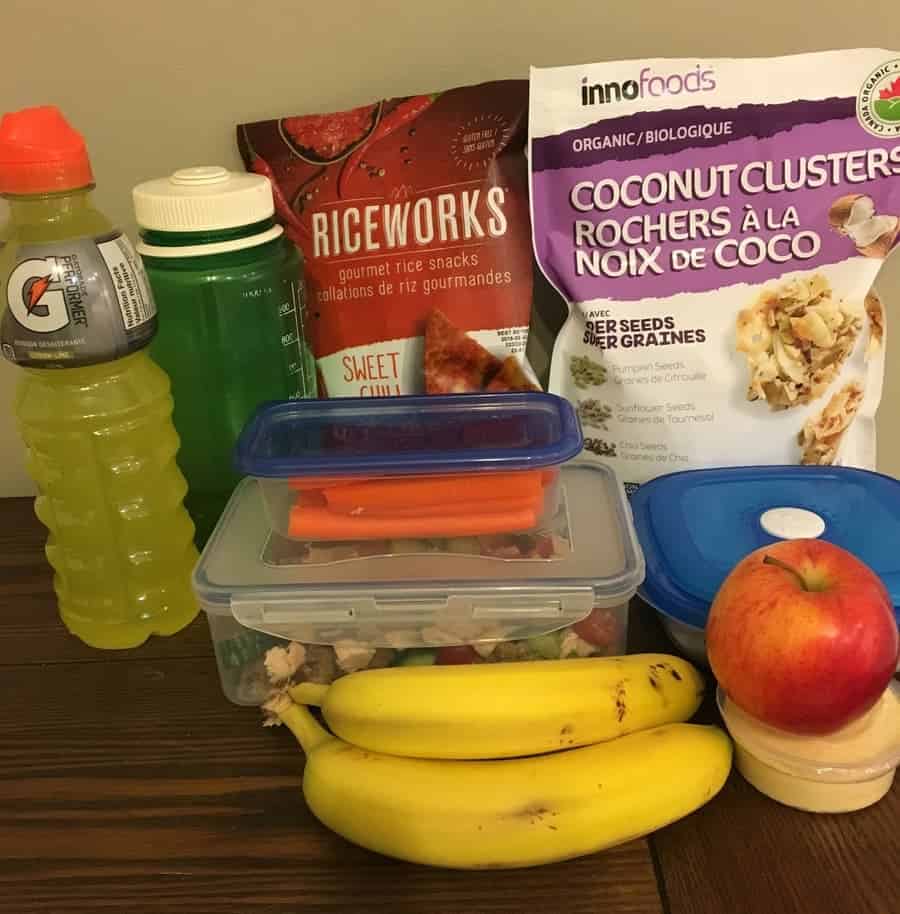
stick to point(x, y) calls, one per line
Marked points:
point(715, 227)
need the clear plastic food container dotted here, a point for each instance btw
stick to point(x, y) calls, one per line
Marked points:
point(375, 469)
point(561, 590)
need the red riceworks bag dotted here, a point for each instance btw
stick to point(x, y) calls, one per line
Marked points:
point(412, 216)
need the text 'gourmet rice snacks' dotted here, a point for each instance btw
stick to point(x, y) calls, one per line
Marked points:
point(715, 227)
point(412, 216)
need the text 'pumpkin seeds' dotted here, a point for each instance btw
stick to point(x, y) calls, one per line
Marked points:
point(715, 227)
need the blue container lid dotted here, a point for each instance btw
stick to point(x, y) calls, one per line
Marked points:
point(443, 433)
point(695, 526)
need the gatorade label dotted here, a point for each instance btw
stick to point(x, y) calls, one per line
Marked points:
point(76, 302)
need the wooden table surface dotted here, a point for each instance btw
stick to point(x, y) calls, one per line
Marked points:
point(129, 784)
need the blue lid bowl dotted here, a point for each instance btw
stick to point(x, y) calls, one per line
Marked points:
point(407, 435)
point(695, 526)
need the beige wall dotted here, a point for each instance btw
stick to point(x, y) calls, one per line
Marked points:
point(159, 84)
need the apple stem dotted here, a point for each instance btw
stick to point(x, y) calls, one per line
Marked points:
point(771, 560)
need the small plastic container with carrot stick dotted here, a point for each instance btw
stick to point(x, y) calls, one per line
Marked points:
point(414, 531)
point(377, 469)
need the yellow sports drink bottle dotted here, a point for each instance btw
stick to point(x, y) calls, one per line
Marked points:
point(93, 409)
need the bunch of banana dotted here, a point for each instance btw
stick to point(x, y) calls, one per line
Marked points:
point(423, 767)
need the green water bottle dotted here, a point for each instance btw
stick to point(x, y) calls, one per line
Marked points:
point(229, 289)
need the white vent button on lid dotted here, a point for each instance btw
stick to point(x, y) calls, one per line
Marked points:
point(792, 523)
point(199, 175)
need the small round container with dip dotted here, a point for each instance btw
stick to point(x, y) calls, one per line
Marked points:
point(841, 772)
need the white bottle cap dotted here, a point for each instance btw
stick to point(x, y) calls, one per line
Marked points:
point(204, 198)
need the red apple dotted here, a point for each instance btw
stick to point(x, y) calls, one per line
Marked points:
point(802, 636)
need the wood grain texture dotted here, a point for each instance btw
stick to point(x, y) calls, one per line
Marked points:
point(746, 854)
point(128, 783)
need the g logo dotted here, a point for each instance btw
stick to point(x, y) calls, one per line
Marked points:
point(35, 296)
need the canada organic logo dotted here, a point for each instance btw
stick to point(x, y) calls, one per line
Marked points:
point(878, 102)
point(648, 84)
point(36, 297)
point(888, 105)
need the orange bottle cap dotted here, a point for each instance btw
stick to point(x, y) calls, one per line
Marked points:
point(41, 153)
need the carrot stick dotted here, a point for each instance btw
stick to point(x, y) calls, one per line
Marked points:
point(319, 523)
point(444, 509)
point(311, 498)
point(430, 490)
point(303, 483)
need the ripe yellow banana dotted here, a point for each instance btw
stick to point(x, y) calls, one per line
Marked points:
point(504, 710)
point(510, 813)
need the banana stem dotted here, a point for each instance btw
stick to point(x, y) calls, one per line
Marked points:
point(310, 734)
point(308, 693)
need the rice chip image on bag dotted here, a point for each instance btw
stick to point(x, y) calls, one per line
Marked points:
point(412, 218)
point(715, 227)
